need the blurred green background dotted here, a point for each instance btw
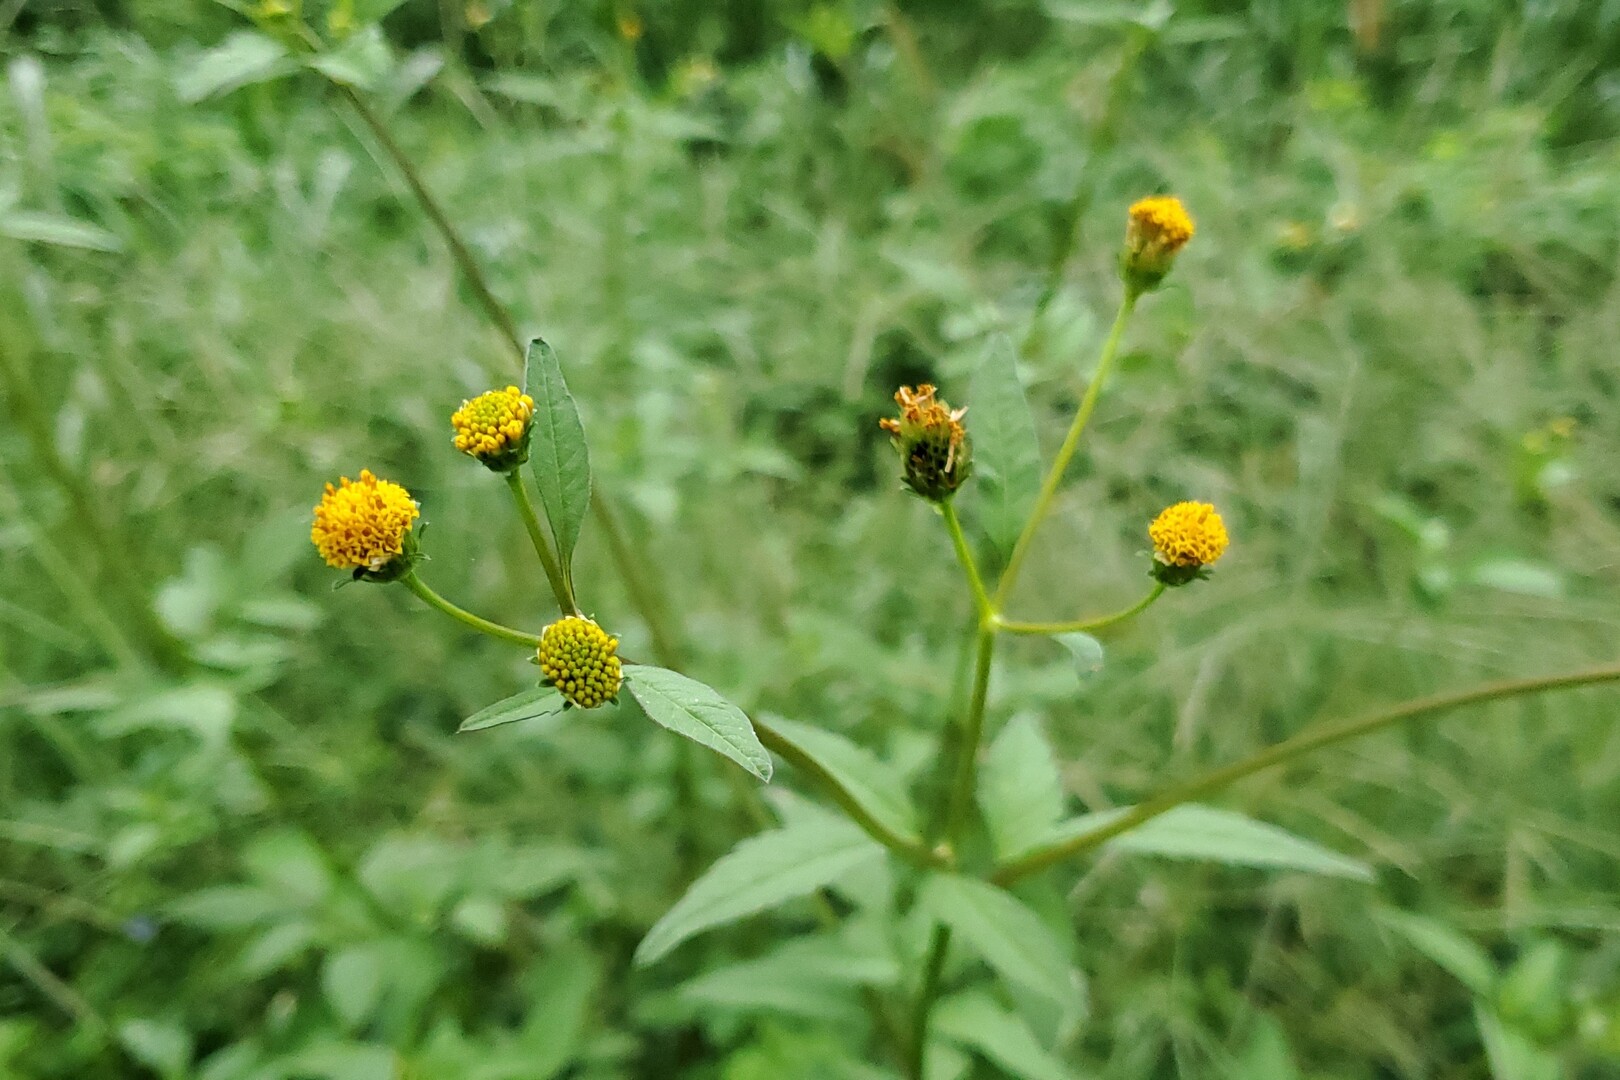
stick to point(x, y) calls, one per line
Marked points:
point(238, 838)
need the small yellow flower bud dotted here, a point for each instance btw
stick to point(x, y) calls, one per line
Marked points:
point(365, 525)
point(1187, 538)
point(581, 660)
point(494, 428)
point(932, 442)
point(1158, 229)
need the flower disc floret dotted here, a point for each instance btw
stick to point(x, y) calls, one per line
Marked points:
point(581, 660)
point(1187, 538)
point(932, 442)
point(1158, 228)
point(363, 525)
point(494, 427)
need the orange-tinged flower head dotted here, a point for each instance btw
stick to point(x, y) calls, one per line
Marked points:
point(932, 442)
point(1187, 538)
point(364, 525)
point(1158, 228)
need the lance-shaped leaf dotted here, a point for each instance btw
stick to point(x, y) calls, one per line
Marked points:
point(762, 872)
point(975, 1021)
point(1006, 453)
point(1205, 832)
point(873, 785)
point(688, 707)
point(558, 456)
point(528, 705)
point(1010, 936)
point(1020, 789)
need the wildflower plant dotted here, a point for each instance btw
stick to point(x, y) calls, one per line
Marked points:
point(996, 820)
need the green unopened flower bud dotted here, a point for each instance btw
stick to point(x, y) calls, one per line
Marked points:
point(581, 660)
point(932, 443)
point(1159, 228)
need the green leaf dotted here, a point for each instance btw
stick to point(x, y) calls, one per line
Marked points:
point(1512, 1055)
point(162, 1046)
point(1460, 956)
point(58, 230)
point(363, 61)
point(1010, 936)
point(374, 11)
point(1087, 652)
point(974, 1020)
point(240, 60)
point(352, 980)
point(527, 705)
point(1006, 453)
point(1020, 790)
point(558, 455)
point(1204, 832)
point(762, 872)
point(689, 708)
point(878, 787)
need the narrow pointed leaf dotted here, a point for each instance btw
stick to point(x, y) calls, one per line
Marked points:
point(879, 788)
point(558, 457)
point(1007, 934)
point(1020, 790)
point(760, 873)
point(1204, 832)
point(1006, 453)
point(528, 705)
point(689, 708)
point(975, 1021)
point(1459, 955)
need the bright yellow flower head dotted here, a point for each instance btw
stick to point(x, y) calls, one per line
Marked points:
point(1187, 538)
point(932, 441)
point(1158, 229)
point(581, 660)
point(363, 525)
point(494, 428)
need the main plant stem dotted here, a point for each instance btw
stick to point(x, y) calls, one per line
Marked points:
point(467, 618)
point(560, 587)
point(1306, 742)
point(1071, 442)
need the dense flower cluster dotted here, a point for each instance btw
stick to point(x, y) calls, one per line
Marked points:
point(581, 660)
point(1158, 229)
point(494, 428)
point(1187, 538)
point(363, 525)
point(932, 441)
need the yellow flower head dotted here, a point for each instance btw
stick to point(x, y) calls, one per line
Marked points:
point(364, 525)
point(1187, 538)
point(581, 660)
point(932, 441)
point(494, 428)
point(1158, 229)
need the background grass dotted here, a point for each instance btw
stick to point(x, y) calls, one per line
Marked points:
point(742, 229)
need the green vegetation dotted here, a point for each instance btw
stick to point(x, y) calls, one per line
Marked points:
point(240, 837)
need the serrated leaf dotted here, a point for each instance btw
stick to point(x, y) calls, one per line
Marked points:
point(1460, 956)
point(1020, 789)
point(760, 873)
point(1011, 937)
point(1006, 452)
point(559, 458)
point(1204, 832)
point(240, 60)
point(975, 1021)
point(363, 61)
point(528, 705)
point(58, 230)
point(878, 787)
point(688, 707)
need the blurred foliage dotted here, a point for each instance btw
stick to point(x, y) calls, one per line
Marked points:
point(1388, 356)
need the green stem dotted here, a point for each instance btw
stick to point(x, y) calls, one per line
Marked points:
point(964, 555)
point(911, 850)
point(938, 944)
point(1288, 750)
point(1084, 626)
point(560, 587)
point(483, 626)
point(1071, 442)
point(967, 760)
